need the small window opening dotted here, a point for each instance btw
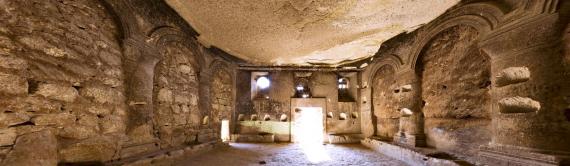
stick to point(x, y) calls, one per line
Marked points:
point(263, 82)
point(343, 90)
point(254, 117)
point(342, 83)
point(302, 89)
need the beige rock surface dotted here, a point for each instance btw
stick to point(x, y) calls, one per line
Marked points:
point(304, 31)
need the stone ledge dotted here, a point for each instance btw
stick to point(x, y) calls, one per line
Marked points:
point(255, 138)
point(344, 138)
point(168, 156)
point(414, 157)
point(510, 155)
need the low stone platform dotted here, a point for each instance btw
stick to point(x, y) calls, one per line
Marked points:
point(518, 156)
point(414, 157)
point(344, 138)
point(253, 138)
point(167, 157)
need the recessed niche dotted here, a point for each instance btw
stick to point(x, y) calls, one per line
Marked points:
point(240, 117)
point(342, 116)
point(354, 115)
point(330, 115)
point(205, 120)
point(254, 117)
point(267, 117)
point(283, 118)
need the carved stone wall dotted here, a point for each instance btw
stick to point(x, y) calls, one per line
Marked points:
point(98, 81)
point(488, 81)
point(455, 83)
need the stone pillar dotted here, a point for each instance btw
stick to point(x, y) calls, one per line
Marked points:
point(411, 132)
point(529, 85)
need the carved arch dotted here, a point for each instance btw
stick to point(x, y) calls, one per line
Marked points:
point(484, 17)
point(392, 60)
point(162, 35)
point(124, 18)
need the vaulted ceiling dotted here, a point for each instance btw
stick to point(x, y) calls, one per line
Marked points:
point(304, 32)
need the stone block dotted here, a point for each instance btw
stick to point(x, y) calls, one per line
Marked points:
point(165, 95)
point(103, 95)
point(176, 153)
point(113, 124)
point(99, 110)
point(37, 148)
point(138, 150)
point(58, 92)
point(11, 84)
point(185, 69)
point(7, 136)
point(518, 105)
point(59, 120)
point(78, 132)
point(87, 119)
point(181, 99)
point(512, 75)
point(10, 119)
point(11, 62)
point(93, 149)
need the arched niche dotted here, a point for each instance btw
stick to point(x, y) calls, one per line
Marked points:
point(176, 91)
point(453, 69)
point(454, 79)
point(221, 92)
point(384, 102)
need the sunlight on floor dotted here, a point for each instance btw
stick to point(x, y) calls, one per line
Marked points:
point(310, 134)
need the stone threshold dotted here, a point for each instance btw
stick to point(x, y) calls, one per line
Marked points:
point(413, 156)
point(167, 156)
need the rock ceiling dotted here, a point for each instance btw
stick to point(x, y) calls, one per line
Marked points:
point(304, 32)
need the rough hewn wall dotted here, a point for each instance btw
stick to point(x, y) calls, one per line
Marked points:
point(60, 76)
point(455, 80)
point(67, 87)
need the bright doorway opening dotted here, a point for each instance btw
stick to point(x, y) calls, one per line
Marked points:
point(225, 131)
point(308, 133)
point(308, 125)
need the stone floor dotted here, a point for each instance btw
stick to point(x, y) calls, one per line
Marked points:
point(291, 154)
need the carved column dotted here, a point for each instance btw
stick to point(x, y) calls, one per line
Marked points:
point(528, 93)
point(411, 132)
